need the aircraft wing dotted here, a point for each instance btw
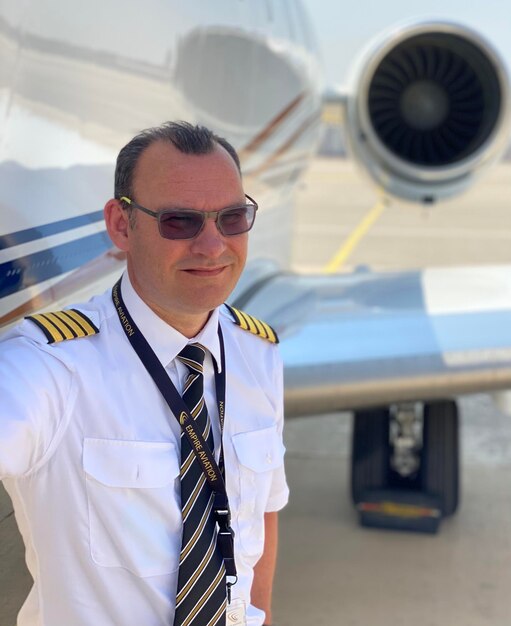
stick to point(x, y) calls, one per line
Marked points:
point(370, 339)
point(428, 113)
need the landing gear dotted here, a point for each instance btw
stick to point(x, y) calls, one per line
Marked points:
point(370, 452)
point(405, 465)
point(441, 456)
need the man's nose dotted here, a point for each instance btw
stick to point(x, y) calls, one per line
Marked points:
point(210, 241)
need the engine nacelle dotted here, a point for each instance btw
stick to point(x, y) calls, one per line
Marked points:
point(430, 110)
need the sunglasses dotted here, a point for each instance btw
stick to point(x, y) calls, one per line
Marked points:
point(188, 223)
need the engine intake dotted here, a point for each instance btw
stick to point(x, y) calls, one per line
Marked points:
point(430, 110)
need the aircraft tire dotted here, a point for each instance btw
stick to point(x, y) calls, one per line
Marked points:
point(370, 451)
point(440, 453)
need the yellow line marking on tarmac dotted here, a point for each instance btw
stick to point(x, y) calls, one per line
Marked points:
point(353, 240)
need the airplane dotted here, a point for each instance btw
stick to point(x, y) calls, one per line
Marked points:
point(428, 112)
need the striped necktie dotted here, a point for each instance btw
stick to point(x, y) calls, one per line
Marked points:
point(201, 586)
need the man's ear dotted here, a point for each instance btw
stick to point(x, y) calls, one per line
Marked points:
point(117, 223)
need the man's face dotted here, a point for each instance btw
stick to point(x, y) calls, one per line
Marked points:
point(185, 279)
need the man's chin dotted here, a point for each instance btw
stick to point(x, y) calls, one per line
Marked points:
point(201, 301)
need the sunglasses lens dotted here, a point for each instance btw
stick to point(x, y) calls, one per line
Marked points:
point(236, 221)
point(180, 224)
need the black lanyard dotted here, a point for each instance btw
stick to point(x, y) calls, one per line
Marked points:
point(214, 473)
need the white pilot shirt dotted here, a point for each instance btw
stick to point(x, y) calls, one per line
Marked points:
point(89, 453)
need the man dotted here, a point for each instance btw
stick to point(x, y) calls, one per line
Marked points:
point(118, 528)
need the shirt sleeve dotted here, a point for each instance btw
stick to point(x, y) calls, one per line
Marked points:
point(35, 389)
point(279, 492)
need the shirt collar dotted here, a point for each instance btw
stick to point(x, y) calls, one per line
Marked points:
point(163, 338)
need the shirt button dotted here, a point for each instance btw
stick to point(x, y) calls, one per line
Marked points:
point(269, 459)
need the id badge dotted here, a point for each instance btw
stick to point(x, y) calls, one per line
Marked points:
point(236, 613)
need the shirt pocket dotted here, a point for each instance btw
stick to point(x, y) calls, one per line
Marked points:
point(134, 505)
point(259, 454)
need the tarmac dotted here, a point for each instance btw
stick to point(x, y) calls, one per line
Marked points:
point(330, 570)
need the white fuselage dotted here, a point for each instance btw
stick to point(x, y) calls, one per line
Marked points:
point(78, 80)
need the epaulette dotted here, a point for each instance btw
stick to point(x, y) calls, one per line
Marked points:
point(253, 325)
point(62, 325)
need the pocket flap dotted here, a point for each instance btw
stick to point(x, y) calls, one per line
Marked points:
point(130, 463)
point(259, 450)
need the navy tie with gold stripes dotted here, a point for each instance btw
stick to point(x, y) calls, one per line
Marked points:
point(201, 587)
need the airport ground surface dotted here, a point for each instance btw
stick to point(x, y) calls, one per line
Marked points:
point(330, 570)
point(335, 197)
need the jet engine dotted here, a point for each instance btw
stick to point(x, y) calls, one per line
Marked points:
point(430, 110)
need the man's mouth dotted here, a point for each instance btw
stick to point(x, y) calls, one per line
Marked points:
point(206, 272)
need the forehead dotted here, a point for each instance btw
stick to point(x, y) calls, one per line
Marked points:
point(164, 176)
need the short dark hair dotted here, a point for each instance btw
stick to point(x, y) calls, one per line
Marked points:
point(186, 137)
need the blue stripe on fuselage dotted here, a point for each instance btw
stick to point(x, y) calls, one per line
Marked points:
point(35, 268)
point(45, 230)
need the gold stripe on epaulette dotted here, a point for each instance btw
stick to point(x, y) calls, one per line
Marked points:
point(253, 325)
point(63, 325)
